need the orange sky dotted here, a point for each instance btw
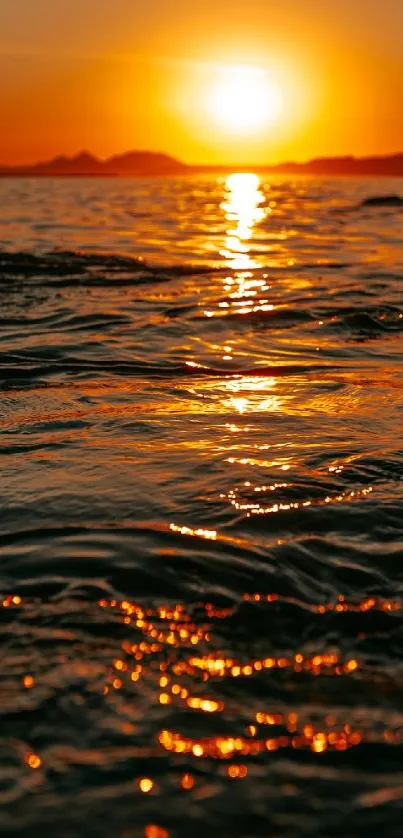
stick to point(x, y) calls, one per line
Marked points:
point(139, 74)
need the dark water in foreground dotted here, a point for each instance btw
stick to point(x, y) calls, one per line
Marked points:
point(201, 558)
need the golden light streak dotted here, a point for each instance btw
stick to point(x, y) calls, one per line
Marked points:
point(243, 209)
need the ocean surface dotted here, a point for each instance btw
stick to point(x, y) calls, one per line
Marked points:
point(201, 530)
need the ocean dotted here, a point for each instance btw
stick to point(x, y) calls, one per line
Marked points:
point(201, 539)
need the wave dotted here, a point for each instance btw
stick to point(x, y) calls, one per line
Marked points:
point(391, 201)
point(17, 368)
point(200, 541)
point(70, 268)
point(382, 201)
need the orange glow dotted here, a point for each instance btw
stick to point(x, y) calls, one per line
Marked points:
point(33, 761)
point(187, 782)
point(235, 771)
point(153, 831)
point(10, 600)
point(331, 73)
point(351, 666)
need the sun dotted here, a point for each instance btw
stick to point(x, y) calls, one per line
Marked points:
point(244, 100)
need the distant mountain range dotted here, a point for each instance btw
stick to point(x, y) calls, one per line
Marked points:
point(87, 165)
point(148, 163)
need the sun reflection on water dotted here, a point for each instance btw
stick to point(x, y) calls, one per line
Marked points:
point(243, 210)
point(177, 653)
point(249, 394)
point(244, 207)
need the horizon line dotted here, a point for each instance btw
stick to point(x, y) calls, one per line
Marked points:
point(85, 152)
point(147, 163)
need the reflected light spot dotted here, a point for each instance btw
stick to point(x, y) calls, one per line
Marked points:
point(187, 782)
point(201, 533)
point(153, 831)
point(239, 404)
point(33, 761)
point(145, 785)
point(10, 600)
point(237, 771)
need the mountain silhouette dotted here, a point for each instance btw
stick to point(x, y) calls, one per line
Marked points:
point(143, 162)
point(149, 163)
point(86, 164)
point(82, 164)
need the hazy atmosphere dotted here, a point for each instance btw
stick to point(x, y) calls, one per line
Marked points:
point(131, 74)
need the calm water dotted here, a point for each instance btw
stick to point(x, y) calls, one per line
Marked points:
point(201, 550)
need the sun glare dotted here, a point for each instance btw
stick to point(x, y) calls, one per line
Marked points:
point(244, 100)
point(243, 210)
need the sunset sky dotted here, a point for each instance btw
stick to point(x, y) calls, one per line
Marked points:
point(314, 77)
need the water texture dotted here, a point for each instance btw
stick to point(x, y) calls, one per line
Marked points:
point(201, 549)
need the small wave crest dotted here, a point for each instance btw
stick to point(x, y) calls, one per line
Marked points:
point(70, 268)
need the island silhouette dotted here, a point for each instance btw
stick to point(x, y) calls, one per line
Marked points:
point(148, 163)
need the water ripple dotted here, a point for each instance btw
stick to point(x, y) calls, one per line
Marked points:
point(200, 542)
